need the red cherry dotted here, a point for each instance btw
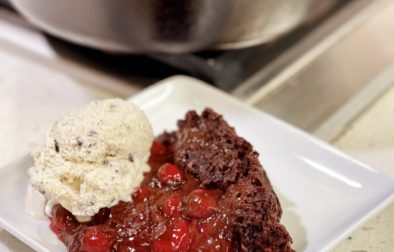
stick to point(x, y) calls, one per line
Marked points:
point(169, 174)
point(128, 248)
point(98, 239)
point(171, 206)
point(200, 203)
point(161, 246)
point(176, 238)
point(55, 228)
point(158, 148)
point(180, 236)
point(140, 194)
point(62, 220)
point(159, 153)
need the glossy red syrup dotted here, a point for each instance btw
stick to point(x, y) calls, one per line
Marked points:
point(169, 212)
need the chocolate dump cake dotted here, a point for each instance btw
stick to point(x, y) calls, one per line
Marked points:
point(206, 191)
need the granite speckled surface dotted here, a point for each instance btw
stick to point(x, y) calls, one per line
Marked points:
point(370, 139)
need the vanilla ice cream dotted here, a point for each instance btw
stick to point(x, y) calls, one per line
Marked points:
point(93, 158)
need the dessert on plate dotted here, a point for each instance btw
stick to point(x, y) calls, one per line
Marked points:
point(201, 189)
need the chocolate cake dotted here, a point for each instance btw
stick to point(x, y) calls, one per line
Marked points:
point(206, 191)
point(209, 149)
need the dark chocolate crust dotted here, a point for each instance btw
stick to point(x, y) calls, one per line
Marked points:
point(208, 148)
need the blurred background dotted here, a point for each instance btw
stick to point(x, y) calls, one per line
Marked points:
point(327, 68)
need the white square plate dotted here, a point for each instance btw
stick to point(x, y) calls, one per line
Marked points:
point(324, 193)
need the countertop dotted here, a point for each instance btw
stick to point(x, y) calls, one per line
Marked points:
point(32, 96)
point(370, 139)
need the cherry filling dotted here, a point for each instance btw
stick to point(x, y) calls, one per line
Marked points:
point(169, 212)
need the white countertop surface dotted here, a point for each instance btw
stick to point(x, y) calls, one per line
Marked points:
point(33, 96)
point(370, 139)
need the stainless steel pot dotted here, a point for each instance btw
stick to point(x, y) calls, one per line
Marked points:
point(170, 26)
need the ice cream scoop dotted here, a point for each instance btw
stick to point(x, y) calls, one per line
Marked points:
point(93, 158)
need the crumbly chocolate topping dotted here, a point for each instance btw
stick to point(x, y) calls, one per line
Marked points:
point(209, 149)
